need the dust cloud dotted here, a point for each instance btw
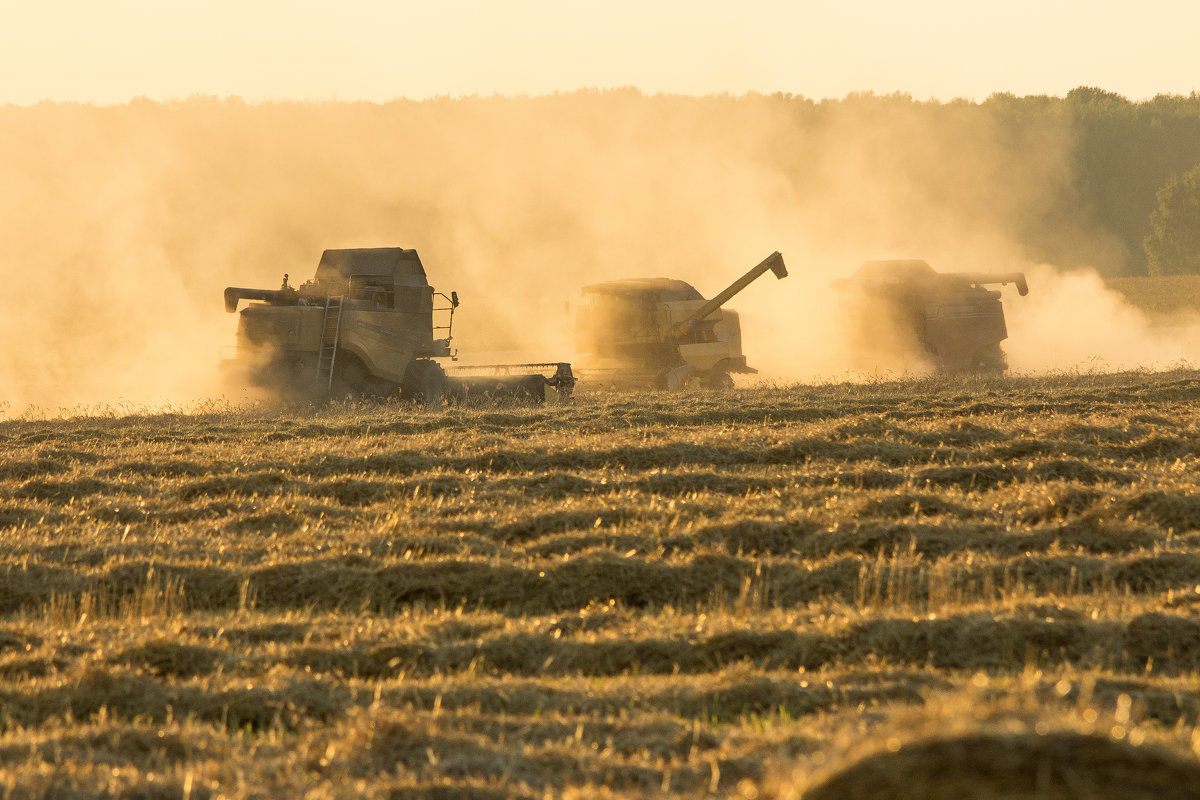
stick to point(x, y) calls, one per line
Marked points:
point(1074, 322)
point(123, 224)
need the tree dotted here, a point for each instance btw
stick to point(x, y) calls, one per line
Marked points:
point(1173, 248)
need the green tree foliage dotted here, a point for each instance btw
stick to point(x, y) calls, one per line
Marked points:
point(1173, 247)
point(1124, 152)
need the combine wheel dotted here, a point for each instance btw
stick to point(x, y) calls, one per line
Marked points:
point(990, 361)
point(718, 380)
point(676, 379)
point(351, 379)
point(425, 382)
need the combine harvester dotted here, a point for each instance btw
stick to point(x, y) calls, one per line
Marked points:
point(365, 326)
point(662, 333)
point(947, 320)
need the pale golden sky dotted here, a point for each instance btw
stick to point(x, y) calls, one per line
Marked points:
point(109, 52)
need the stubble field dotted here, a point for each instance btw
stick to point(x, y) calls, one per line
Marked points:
point(916, 588)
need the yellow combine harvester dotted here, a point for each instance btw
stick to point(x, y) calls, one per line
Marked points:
point(661, 332)
point(907, 310)
point(364, 325)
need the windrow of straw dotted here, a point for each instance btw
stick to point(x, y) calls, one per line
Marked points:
point(766, 592)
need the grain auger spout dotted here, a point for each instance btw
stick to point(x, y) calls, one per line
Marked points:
point(1002, 278)
point(773, 262)
point(276, 297)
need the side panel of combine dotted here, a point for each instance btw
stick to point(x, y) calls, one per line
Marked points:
point(610, 321)
point(625, 330)
point(282, 329)
point(702, 346)
point(961, 329)
point(277, 345)
point(273, 326)
point(387, 330)
point(729, 331)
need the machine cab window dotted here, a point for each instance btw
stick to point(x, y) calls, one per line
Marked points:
point(377, 291)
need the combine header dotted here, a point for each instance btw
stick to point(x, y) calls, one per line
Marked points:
point(661, 332)
point(365, 325)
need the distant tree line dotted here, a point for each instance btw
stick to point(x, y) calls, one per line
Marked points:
point(1133, 173)
point(1090, 179)
point(1138, 173)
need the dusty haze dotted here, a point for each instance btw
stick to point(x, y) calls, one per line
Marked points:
point(123, 224)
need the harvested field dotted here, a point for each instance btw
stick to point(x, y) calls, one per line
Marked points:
point(797, 591)
point(1162, 298)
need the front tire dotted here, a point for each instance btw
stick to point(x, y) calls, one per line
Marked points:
point(352, 379)
point(719, 381)
point(425, 383)
point(990, 361)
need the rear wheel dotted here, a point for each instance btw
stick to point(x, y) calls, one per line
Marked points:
point(990, 361)
point(425, 383)
point(718, 380)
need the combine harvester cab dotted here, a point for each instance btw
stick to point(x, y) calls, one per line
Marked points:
point(365, 325)
point(662, 333)
point(949, 319)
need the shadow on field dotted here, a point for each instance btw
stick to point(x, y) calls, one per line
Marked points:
point(1055, 766)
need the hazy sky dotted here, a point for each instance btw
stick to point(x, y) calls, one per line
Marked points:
point(111, 51)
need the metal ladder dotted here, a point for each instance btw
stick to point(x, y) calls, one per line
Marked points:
point(330, 329)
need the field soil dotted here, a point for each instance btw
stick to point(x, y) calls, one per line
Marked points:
point(934, 588)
